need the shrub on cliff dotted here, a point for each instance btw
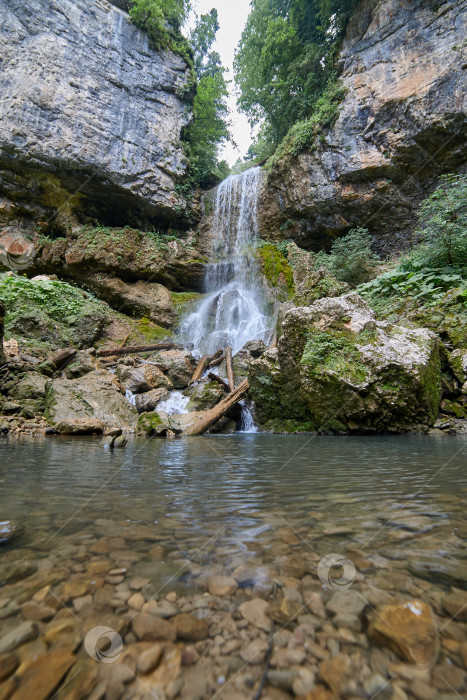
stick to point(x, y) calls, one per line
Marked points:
point(443, 224)
point(351, 259)
point(161, 19)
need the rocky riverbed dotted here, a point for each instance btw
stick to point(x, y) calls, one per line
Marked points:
point(212, 599)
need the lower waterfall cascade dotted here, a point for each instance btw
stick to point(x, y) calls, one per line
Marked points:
point(230, 314)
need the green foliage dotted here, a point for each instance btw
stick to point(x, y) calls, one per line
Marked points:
point(151, 331)
point(161, 19)
point(351, 259)
point(209, 127)
point(443, 224)
point(284, 62)
point(302, 134)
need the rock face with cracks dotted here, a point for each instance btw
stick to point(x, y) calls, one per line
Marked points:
point(91, 114)
point(337, 369)
point(401, 125)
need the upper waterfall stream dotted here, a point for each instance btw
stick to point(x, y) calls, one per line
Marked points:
point(231, 313)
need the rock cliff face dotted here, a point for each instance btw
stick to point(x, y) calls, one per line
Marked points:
point(402, 124)
point(90, 115)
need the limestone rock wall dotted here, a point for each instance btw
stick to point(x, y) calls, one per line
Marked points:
point(90, 114)
point(402, 124)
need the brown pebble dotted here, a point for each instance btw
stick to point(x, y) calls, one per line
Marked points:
point(136, 584)
point(118, 572)
point(114, 580)
point(150, 659)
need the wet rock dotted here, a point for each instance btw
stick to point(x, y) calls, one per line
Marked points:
point(36, 611)
point(346, 602)
point(336, 672)
point(91, 403)
point(82, 364)
point(409, 629)
point(137, 583)
point(191, 628)
point(222, 585)
point(16, 571)
point(42, 676)
point(285, 611)
point(149, 659)
point(149, 628)
point(25, 632)
point(314, 603)
point(255, 612)
point(455, 604)
point(445, 569)
point(8, 664)
point(162, 609)
point(8, 529)
point(203, 395)
point(136, 601)
point(149, 399)
point(254, 652)
point(282, 679)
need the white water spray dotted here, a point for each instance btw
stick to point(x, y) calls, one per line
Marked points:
point(230, 313)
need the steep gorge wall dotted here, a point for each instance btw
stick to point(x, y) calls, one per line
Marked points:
point(90, 115)
point(402, 124)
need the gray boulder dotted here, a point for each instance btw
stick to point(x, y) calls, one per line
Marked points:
point(336, 368)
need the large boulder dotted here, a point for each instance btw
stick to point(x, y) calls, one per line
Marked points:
point(92, 114)
point(140, 298)
point(88, 404)
point(140, 380)
point(336, 368)
point(180, 366)
point(203, 395)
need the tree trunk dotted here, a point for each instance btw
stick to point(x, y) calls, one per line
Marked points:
point(198, 373)
point(215, 378)
point(62, 357)
point(2, 324)
point(206, 419)
point(130, 349)
point(230, 372)
point(217, 361)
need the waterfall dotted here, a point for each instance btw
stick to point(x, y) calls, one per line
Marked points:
point(230, 314)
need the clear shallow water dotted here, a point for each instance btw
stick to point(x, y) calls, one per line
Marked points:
point(240, 489)
point(168, 517)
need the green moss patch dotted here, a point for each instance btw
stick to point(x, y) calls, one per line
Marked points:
point(275, 267)
point(335, 351)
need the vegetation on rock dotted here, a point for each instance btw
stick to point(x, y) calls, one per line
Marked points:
point(285, 69)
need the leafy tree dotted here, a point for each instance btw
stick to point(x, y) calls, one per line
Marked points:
point(161, 19)
point(209, 126)
point(351, 259)
point(285, 60)
point(443, 219)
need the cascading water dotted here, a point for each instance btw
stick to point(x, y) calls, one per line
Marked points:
point(230, 314)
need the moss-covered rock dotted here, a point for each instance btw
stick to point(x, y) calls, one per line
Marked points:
point(203, 395)
point(276, 268)
point(337, 369)
point(317, 285)
point(50, 313)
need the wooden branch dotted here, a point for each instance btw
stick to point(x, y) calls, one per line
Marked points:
point(203, 420)
point(62, 357)
point(273, 343)
point(215, 378)
point(215, 357)
point(159, 365)
point(124, 341)
point(230, 372)
point(217, 361)
point(130, 349)
point(198, 373)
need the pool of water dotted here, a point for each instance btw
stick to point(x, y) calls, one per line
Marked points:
point(177, 512)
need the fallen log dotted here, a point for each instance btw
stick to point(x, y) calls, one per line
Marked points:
point(230, 372)
point(200, 367)
point(62, 357)
point(217, 361)
point(131, 349)
point(215, 378)
point(204, 419)
point(124, 341)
